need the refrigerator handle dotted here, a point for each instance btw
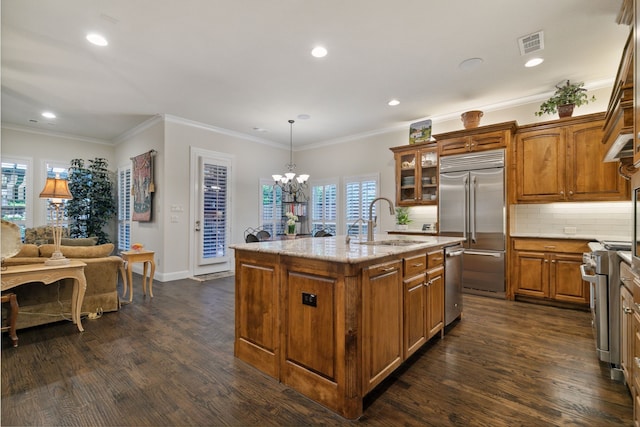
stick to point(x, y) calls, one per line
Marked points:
point(465, 208)
point(472, 214)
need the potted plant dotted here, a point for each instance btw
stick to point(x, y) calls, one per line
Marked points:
point(93, 204)
point(402, 218)
point(565, 98)
point(291, 224)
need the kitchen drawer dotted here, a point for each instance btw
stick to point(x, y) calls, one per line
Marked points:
point(435, 258)
point(415, 265)
point(546, 245)
point(386, 268)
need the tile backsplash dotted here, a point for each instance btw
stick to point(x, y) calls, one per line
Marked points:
point(613, 219)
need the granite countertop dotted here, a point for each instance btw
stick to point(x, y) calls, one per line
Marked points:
point(625, 256)
point(336, 249)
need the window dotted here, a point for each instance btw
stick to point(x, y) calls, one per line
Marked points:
point(360, 191)
point(324, 208)
point(215, 210)
point(16, 191)
point(124, 208)
point(271, 208)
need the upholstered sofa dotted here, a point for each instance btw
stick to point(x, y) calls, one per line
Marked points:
point(40, 304)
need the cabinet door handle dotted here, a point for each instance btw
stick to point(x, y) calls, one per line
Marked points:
point(549, 246)
point(388, 269)
point(627, 310)
point(637, 306)
point(418, 264)
point(561, 192)
point(637, 360)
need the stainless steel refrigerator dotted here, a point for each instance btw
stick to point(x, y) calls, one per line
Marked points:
point(472, 205)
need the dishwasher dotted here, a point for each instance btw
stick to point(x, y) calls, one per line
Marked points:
point(452, 283)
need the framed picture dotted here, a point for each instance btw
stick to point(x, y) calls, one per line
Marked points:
point(420, 132)
point(143, 187)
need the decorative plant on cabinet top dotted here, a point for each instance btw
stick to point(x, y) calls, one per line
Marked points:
point(564, 99)
point(93, 204)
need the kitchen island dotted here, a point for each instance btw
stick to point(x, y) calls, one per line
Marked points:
point(332, 319)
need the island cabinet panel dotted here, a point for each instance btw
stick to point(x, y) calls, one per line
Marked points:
point(415, 309)
point(382, 304)
point(257, 308)
point(310, 325)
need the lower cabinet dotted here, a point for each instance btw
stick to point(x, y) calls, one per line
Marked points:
point(382, 303)
point(435, 302)
point(549, 269)
point(423, 299)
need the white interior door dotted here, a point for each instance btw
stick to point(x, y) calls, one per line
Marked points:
point(212, 211)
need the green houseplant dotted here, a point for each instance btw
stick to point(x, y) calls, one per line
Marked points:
point(402, 218)
point(565, 98)
point(93, 204)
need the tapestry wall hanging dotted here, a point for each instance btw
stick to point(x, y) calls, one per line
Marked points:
point(142, 188)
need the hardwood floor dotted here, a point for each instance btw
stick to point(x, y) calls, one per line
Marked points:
point(169, 361)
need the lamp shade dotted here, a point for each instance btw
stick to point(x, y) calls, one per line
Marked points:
point(56, 188)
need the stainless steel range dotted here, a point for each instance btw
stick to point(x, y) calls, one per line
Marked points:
point(601, 268)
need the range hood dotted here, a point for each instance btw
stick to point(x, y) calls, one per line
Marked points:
point(621, 148)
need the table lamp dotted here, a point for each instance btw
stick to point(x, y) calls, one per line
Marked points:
point(56, 189)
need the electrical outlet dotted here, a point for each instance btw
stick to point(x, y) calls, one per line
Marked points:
point(309, 299)
point(570, 230)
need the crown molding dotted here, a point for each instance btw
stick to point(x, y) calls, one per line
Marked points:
point(55, 134)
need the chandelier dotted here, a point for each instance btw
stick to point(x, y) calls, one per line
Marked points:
point(292, 186)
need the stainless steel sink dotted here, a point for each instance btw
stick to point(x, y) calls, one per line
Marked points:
point(393, 242)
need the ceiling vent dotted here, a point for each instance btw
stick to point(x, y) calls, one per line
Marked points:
point(531, 43)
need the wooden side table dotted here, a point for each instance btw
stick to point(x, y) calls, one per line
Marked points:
point(10, 297)
point(16, 275)
point(146, 257)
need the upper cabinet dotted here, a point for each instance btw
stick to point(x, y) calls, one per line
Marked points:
point(475, 139)
point(416, 174)
point(618, 123)
point(561, 160)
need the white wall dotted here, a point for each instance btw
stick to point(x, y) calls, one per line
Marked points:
point(149, 136)
point(42, 148)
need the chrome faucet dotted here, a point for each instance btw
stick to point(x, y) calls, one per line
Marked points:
point(371, 223)
point(348, 238)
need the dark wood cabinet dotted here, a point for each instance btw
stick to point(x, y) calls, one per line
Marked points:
point(562, 160)
point(416, 174)
point(550, 270)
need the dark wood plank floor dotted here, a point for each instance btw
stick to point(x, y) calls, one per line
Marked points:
point(170, 361)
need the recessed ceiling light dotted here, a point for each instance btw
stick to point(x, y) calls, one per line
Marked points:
point(303, 117)
point(393, 102)
point(470, 64)
point(258, 129)
point(533, 62)
point(48, 115)
point(319, 52)
point(97, 39)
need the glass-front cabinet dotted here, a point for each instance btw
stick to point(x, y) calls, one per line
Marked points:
point(416, 174)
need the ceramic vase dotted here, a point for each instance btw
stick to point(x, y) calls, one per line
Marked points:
point(471, 119)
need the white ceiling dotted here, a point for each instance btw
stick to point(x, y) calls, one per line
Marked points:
point(245, 64)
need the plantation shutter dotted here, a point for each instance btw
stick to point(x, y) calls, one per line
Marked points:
point(124, 209)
